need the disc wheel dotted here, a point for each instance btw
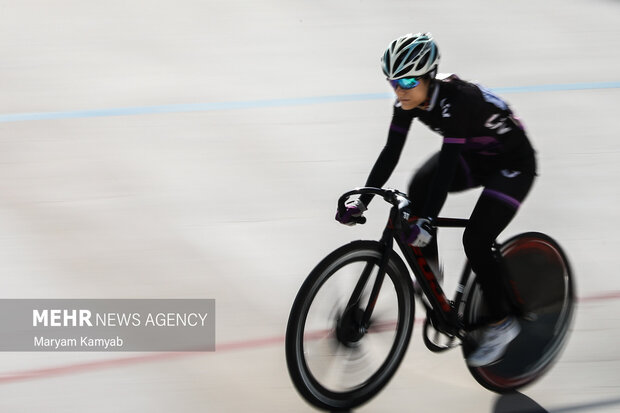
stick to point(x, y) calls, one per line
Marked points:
point(542, 284)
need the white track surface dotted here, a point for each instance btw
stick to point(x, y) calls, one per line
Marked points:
point(237, 204)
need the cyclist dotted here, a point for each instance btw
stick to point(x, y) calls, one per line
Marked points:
point(484, 145)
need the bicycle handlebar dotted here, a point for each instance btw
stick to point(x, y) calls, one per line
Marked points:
point(392, 196)
point(399, 200)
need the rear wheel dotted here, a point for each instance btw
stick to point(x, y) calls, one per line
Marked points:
point(542, 284)
point(334, 361)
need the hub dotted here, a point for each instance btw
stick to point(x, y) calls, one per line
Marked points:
point(349, 329)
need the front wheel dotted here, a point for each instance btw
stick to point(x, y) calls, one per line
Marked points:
point(334, 361)
point(542, 285)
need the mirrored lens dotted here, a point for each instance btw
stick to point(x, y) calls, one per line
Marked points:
point(405, 83)
point(408, 82)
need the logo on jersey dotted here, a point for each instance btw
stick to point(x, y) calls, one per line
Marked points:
point(445, 108)
point(498, 124)
point(510, 174)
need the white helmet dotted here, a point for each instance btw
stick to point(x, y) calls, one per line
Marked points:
point(410, 55)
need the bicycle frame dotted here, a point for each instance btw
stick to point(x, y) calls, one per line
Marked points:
point(444, 313)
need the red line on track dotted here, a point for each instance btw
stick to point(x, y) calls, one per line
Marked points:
point(12, 377)
point(612, 295)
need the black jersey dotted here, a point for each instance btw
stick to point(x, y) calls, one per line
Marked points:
point(477, 127)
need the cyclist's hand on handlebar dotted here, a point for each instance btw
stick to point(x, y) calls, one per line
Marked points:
point(420, 233)
point(352, 213)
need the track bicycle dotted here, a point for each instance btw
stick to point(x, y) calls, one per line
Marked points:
point(352, 319)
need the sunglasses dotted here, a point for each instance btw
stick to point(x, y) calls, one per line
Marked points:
point(404, 83)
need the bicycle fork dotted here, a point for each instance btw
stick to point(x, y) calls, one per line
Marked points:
point(354, 320)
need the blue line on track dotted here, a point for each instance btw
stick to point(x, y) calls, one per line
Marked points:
point(272, 103)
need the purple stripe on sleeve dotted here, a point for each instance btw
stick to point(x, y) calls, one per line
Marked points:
point(398, 129)
point(484, 140)
point(459, 141)
point(515, 203)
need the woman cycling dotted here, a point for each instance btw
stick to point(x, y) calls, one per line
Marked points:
point(484, 145)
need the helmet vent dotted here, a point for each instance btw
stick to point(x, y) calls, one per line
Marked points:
point(416, 49)
point(386, 60)
point(402, 73)
point(407, 43)
point(422, 61)
point(399, 61)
